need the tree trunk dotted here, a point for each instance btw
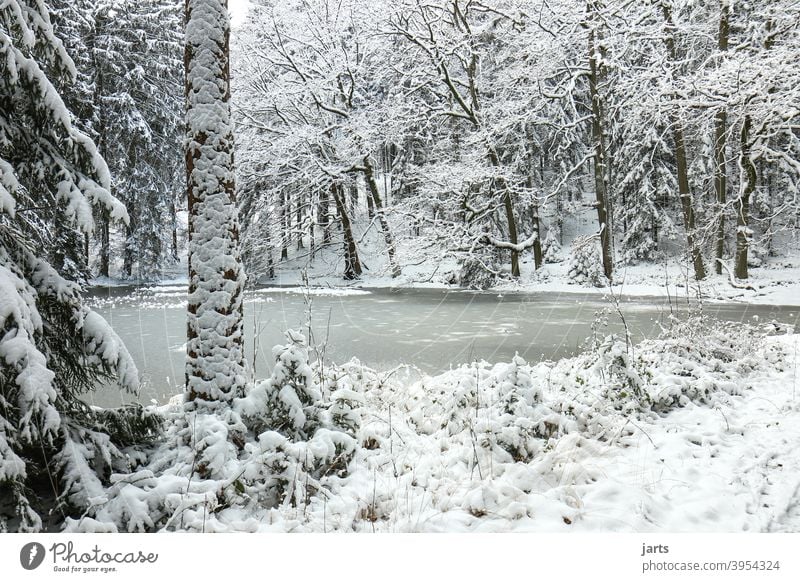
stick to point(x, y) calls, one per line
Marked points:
point(534, 208)
point(86, 249)
point(374, 196)
point(686, 202)
point(508, 206)
point(129, 256)
point(720, 143)
point(766, 174)
point(284, 226)
point(105, 245)
point(323, 215)
point(598, 145)
point(215, 364)
point(682, 165)
point(352, 266)
point(512, 232)
point(352, 200)
point(537, 244)
point(370, 207)
point(743, 203)
point(174, 232)
point(299, 220)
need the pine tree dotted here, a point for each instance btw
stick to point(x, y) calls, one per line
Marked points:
point(137, 70)
point(52, 347)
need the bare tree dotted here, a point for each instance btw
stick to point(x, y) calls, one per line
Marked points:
point(598, 144)
point(681, 160)
point(720, 143)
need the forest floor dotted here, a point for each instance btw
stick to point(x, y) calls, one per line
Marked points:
point(777, 283)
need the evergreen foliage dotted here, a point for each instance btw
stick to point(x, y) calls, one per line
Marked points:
point(55, 451)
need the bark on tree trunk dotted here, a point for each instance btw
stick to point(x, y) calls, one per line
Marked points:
point(598, 145)
point(374, 196)
point(352, 265)
point(743, 203)
point(720, 145)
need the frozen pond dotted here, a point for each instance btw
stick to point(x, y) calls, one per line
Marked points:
point(429, 329)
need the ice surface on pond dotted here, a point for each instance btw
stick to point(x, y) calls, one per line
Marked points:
point(431, 331)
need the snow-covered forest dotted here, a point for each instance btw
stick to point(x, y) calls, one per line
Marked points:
point(471, 147)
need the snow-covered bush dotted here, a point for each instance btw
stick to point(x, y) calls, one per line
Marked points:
point(290, 401)
point(275, 447)
point(299, 436)
point(475, 275)
point(695, 361)
point(551, 248)
point(496, 408)
point(585, 264)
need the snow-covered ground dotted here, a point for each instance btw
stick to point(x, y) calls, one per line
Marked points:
point(694, 432)
point(725, 465)
point(776, 284)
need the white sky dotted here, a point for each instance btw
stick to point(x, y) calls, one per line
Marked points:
point(238, 10)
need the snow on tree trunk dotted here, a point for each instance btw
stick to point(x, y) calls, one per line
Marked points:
point(215, 366)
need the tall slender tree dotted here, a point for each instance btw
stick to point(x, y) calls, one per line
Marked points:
point(720, 142)
point(215, 367)
point(681, 155)
point(600, 157)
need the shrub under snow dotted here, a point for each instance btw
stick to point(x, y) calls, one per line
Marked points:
point(551, 248)
point(585, 263)
point(226, 468)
